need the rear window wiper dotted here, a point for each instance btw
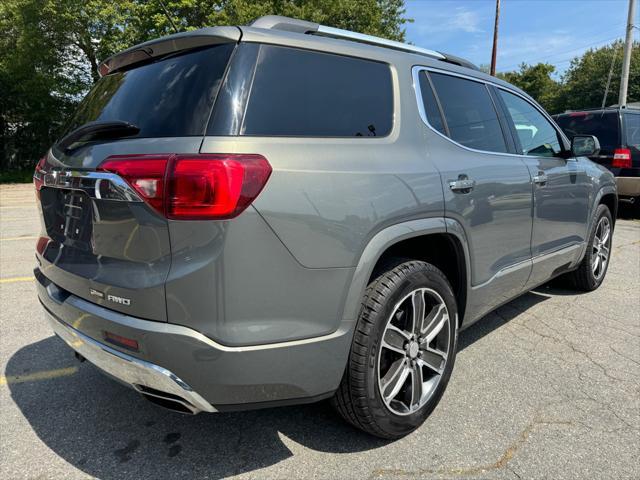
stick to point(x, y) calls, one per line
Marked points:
point(98, 131)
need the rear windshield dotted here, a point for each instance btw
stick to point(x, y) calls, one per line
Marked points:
point(602, 125)
point(171, 97)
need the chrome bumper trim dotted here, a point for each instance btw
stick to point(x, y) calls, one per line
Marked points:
point(130, 370)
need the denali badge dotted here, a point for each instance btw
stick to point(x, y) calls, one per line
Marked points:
point(120, 300)
point(96, 293)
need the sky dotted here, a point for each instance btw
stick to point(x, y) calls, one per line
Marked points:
point(530, 31)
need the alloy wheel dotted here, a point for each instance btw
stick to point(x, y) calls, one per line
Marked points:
point(601, 248)
point(414, 351)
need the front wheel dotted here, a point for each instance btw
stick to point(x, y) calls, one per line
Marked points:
point(591, 272)
point(402, 353)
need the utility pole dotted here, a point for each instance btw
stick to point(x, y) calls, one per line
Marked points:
point(494, 51)
point(626, 55)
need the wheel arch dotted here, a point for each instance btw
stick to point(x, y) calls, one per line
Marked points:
point(424, 239)
point(610, 199)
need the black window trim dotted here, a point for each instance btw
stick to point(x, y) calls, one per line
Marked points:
point(415, 71)
point(562, 139)
point(443, 119)
point(508, 127)
point(394, 101)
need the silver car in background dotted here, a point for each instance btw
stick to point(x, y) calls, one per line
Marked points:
point(243, 217)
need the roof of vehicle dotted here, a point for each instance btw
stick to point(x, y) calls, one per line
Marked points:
point(631, 107)
point(299, 33)
point(274, 23)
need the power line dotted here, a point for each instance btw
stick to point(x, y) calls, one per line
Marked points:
point(166, 14)
point(606, 90)
point(564, 60)
point(587, 33)
point(604, 40)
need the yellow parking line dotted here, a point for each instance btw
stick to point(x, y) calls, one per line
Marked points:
point(16, 279)
point(13, 239)
point(36, 376)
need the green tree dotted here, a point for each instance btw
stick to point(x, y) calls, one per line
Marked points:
point(36, 88)
point(50, 49)
point(583, 84)
point(538, 82)
point(585, 81)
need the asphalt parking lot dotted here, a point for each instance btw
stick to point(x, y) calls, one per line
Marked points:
point(546, 387)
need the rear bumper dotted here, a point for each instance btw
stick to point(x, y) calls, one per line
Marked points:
point(143, 376)
point(182, 362)
point(628, 186)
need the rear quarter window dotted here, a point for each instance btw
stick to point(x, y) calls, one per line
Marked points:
point(312, 94)
point(171, 97)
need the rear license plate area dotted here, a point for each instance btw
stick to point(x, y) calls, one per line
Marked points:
point(68, 217)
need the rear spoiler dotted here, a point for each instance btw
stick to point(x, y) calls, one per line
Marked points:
point(169, 44)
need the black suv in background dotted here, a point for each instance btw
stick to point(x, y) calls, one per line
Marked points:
point(618, 130)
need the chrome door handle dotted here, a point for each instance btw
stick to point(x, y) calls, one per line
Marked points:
point(540, 179)
point(462, 185)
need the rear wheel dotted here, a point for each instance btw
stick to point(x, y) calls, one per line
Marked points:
point(591, 272)
point(402, 353)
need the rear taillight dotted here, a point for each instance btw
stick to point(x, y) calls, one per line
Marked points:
point(193, 187)
point(621, 158)
point(145, 173)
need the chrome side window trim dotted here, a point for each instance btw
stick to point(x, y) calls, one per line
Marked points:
point(415, 72)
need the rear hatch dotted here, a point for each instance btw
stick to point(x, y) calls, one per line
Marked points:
point(100, 241)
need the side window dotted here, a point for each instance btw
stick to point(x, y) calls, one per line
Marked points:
point(632, 126)
point(469, 113)
point(312, 94)
point(431, 109)
point(536, 134)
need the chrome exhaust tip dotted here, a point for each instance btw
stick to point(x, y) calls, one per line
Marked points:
point(167, 400)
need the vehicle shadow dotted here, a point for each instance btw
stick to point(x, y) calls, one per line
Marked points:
point(108, 431)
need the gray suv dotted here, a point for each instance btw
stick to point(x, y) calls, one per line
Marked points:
point(242, 217)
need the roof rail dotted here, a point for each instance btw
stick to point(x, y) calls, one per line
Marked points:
point(371, 40)
point(277, 22)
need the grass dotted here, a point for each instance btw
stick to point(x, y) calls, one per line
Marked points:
point(16, 176)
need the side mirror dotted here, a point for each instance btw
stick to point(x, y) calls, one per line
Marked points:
point(585, 146)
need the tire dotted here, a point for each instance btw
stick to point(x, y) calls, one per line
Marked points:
point(376, 366)
point(587, 278)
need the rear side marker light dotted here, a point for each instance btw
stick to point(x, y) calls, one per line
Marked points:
point(124, 342)
point(193, 187)
point(41, 245)
point(621, 158)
